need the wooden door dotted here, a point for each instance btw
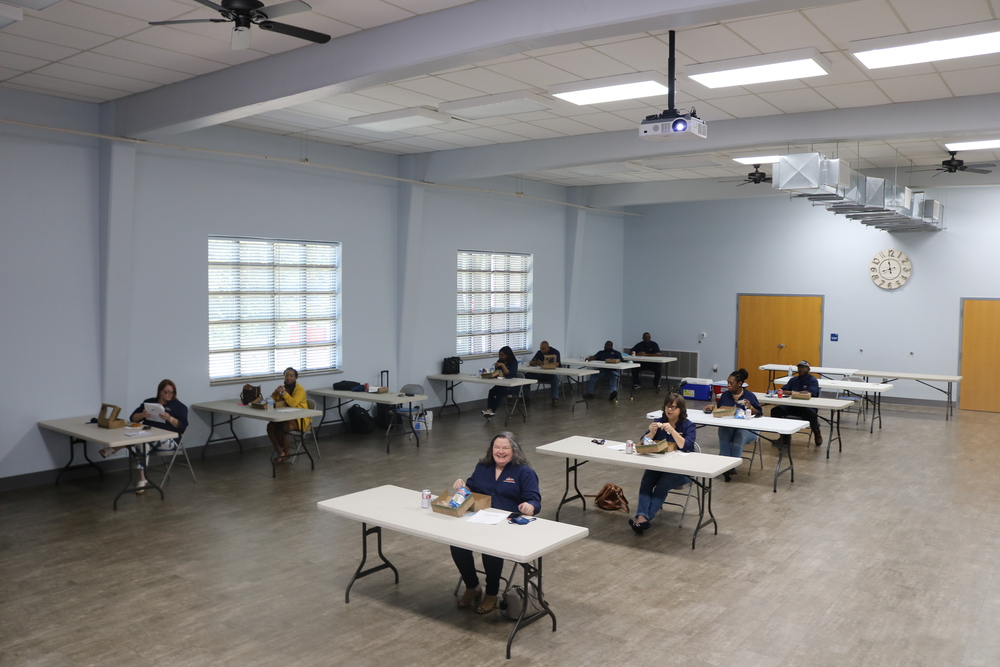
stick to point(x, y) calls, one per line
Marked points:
point(980, 355)
point(777, 330)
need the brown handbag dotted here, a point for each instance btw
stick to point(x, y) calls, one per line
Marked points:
point(250, 394)
point(612, 498)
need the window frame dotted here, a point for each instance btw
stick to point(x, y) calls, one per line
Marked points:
point(528, 296)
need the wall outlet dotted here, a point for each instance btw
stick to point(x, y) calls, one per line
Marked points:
point(703, 335)
point(715, 368)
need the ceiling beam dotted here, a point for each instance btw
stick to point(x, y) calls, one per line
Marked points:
point(416, 46)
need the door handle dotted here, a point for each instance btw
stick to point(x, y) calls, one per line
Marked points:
point(781, 346)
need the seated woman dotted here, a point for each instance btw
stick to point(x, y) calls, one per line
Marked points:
point(677, 428)
point(294, 396)
point(507, 365)
point(504, 475)
point(174, 418)
point(733, 440)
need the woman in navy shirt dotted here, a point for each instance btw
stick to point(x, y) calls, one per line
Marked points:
point(504, 475)
point(733, 440)
point(507, 365)
point(175, 418)
point(677, 428)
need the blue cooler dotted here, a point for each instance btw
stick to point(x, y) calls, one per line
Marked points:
point(697, 392)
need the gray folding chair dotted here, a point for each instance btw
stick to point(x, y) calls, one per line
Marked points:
point(171, 453)
point(300, 435)
point(684, 491)
point(409, 412)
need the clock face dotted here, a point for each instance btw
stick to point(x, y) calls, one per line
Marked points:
point(890, 269)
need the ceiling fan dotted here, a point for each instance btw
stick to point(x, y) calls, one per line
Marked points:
point(244, 13)
point(953, 165)
point(756, 177)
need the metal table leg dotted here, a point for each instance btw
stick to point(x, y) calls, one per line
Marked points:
point(72, 453)
point(361, 571)
point(449, 395)
point(532, 587)
point(211, 435)
point(704, 502)
point(566, 497)
point(133, 455)
point(784, 447)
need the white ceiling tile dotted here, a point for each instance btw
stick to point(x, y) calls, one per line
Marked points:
point(454, 125)
point(532, 131)
point(300, 119)
point(55, 33)
point(505, 59)
point(612, 40)
point(587, 63)
point(567, 126)
point(912, 88)
point(429, 143)
point(780, 32)
point(861, 94)
point(16, 62)
point(492, 135)
point(923, 15)
point(427, 6)
point(33, 48)
point(549, 50)
point(534, 72)
point(183, 41)
point(486, 80)
point(440, 88)
point(648, 53)
point(851, 21)
point(608, 122)
point(745, 106)
point(361, 104)
point(367, 14)
point(60, 86)
point(132, 69)
point(325, 110)
point(271, 125)
point(716, 42)
point(95, 78)
point(6, 73)
point(401, 96)
point(967, 63)
point(393, 148)
point(979, 81)
point(467, 140)
point(797, 101)
point(153, 55)
point(533, 115)
point(843, 69)
point(86, 17)
point(72, 92)
point(144, 10)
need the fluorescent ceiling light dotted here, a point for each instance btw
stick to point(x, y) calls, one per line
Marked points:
point(10, 15)
point(973, 145)
point(399, 121)
point(798, 64)
point(760, 159)
point(612, 88)
point(926, 46)
point(491, 106)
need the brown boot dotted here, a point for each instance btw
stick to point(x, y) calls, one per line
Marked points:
point(818, 437)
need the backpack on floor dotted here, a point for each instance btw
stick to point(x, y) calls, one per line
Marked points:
point(360, 420)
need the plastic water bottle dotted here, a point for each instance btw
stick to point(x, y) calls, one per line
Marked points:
point(270, 403)
point(459, 498)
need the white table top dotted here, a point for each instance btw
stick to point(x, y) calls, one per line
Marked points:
point(388, 398)
point(232, 406)
point(649, 360)
point(116, 438)
point(601, 364)
point(695, 464)
point(811, 402)
point(399, 509)
point(475, 379)
point(769, 424)
point(822, 370)
point(570, 372)
point(909, 376)
point(846, 385)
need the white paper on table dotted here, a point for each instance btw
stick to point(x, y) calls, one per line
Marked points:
point(132, 434)
point(617, 448)
point(488, 517)
point(286, 409)
point(155, 411)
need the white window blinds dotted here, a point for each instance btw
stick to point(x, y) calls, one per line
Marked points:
point(494, 302)
point(272, 304)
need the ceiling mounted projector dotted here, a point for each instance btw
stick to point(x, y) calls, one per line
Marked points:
point(669, 126)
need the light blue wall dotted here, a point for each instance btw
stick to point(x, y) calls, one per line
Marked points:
point(695, 257)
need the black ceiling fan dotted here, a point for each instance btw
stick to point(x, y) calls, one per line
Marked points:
point(953, 165)
point(756, 177)
point(244, 13)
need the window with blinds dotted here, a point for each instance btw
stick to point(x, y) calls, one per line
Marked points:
point(272, 304)
point(494, 302)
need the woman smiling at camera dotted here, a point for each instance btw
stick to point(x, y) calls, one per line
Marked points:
point(504, 475)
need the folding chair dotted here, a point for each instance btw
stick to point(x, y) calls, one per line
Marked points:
point(684, 491)
point(171, 451)
point(301, 435)
point(399, 412)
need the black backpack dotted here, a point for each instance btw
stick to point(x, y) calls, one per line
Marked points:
point(450, 366)
point(345, 385)
point(360, 420)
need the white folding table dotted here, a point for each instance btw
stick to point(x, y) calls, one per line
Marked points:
point(571, 374)
point(774, 369)
point(605, 366)
point(386, 398)
point(834, 405)
point(452, 381)
point(399, 509)
point(863, 388)
point(922, 378)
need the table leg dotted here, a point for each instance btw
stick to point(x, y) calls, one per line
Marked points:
point(133, 457)
point(704, 502)
point(338, 406)
point(579, 393)
point(72, 454)
point(275, 456)
point(409, 422)
point(212, 438)
point(518, 400)
point(834, 418)
point(532, 588)
point(361, 572)
point(572, 468)
point(449, 395)
point(784, 447)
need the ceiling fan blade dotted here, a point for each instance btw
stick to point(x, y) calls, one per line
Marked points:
point(979, 165)
point(189, 21)
point(284, 9)
point(241, 39)
point(768, 180)
point(744, 183)
point(978, 171)
point(911, 171)
point(211, 5)
point(293, 31)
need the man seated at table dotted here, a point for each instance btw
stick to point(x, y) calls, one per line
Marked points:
point(647, 348)
point(609, 352)
point(544, 350)
point(802, 384)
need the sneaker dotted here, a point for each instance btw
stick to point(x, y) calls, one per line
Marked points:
point(555, 402)
point(613, 396)
point(588, 395)
point(635, 386)
point(488, 413)
point(106, 452)
point(141, 487)
point(164, 448)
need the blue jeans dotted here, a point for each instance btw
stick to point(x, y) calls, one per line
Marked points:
point(733, 440)
point(653, 491)
point(603, 373)
point(496, 395)
point(553, 380)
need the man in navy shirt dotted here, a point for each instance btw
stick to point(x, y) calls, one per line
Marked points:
point(609, 352)
point(545, 350)
point(803, 383)
point(647, 348)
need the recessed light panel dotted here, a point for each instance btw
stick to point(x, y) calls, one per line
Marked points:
point(798, 64)
point(926, 46)
point(399, 121)
point(612, 88)
point(491, 106)
point(973, 145)
point(759, 159)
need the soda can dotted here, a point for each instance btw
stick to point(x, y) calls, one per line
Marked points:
point(629, 447)
point(781, 394)
point(425, 499)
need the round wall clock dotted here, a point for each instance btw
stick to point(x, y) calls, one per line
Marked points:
point(890, 269)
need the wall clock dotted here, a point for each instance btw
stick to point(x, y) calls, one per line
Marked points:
point(890, 269)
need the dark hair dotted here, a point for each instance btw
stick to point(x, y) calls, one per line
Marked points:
point(164, 383)
point(508, 354)
point(517, 454)
point(741, 375)
point(292, 370)
point(678, 400)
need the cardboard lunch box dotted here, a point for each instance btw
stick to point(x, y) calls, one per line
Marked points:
point(489, 375)
point(549, 361)
point(658, 447)
point(473, 503)
point(727, 411)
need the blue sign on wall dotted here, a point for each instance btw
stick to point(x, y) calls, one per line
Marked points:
point(834, 337)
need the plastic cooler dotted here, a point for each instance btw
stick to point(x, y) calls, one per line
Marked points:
point(697, 389)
